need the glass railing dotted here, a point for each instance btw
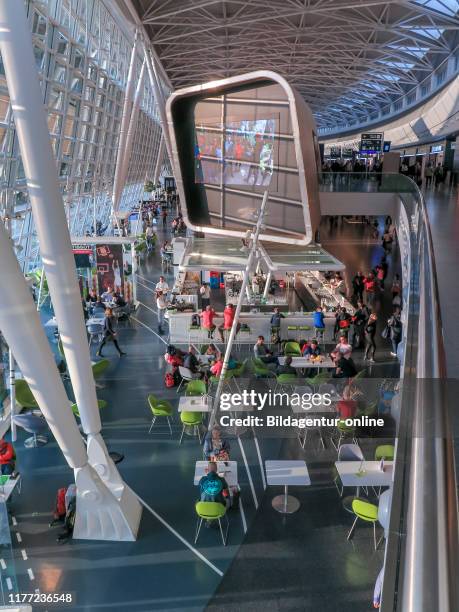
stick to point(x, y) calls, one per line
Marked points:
point(421, 562)
point(366, 182)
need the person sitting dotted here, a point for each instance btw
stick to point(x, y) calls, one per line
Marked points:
point(262, 352)
point(345, 368)
point(92, 297)
point(98, 308)
point(215, 447)
point(228, 318)
point(190, 361)
point(342, 349)
point(347, 406)
point(214, 488)
point(7, 457)
point(207, 320)
point(107, 296)
point(217, 367)
point(213, 351)
point(287, 368)
point(312, 349)
point(119, 300)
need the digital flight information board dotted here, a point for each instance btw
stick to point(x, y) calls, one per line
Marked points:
point(371, 142)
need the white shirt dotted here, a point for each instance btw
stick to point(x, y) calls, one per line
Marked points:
point(344, 349)
point(205, 292)
point(149, 231)
point(162, 286)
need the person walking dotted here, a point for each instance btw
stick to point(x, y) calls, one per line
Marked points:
point(358, 286)
point(109, 333)
point(205, 295)
point(161, 305)
point(395, 325)
point(370, 332)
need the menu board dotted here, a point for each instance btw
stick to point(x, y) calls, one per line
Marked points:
point(371, 142)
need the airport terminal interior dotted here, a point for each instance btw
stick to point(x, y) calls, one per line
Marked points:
point(229, 243)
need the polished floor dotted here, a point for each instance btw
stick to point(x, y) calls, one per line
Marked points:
point(298, 562)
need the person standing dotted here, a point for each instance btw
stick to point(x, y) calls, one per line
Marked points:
point(359, 320)
point(370, 287)
point(161, 305)
point(370, 333)
point(428, 175)
point(162, 285)
point(358, 286)
point(109, 333)
point(396, 327)
point(204, 291)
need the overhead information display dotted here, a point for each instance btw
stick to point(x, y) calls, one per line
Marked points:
point(371, 142)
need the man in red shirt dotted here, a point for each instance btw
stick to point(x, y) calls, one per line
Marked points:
point(7, 457)
point(228, 318)
point(207, 320)
point(370, 287)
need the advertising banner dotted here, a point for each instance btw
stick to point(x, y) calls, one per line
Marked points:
point(109, 258)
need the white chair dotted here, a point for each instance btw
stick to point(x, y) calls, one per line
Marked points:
point(347, 452)
point(96, 332)
point(186, 375)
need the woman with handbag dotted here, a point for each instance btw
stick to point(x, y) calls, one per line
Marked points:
point(109, 333)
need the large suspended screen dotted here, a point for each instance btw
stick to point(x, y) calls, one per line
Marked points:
point(244, 145)
point(242, 153)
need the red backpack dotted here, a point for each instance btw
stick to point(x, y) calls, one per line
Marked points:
point(169, 380)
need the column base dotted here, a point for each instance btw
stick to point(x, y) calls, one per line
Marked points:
point(99, 514)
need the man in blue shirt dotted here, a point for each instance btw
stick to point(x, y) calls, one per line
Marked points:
point(212, 487)
point(319, 322)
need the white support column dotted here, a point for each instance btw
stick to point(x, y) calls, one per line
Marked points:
point(125, 154)
point(134, 273)
point(159, 160)
point(118, 184)
point(52, 230)
point(12, 368)
point(245, 279)
point(267, 285)
point(160, 102)
point(100, 515)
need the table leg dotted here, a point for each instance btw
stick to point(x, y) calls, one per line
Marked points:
point(285, 504)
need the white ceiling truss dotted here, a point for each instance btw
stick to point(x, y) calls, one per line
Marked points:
point(348, 58)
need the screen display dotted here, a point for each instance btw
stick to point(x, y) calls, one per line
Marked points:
point(241, 154)
point(371, 143)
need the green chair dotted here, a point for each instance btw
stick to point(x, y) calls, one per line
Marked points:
point(101, 404)
point(292, 348)
point(286, 380)
point(195, 387)
point(211, 511)
point(99, 367)
point(385, 451)
point(367, 512)
point(319, 379)
point(259, 368)
point(191, 419)
point(24, 396)
point(239, 370)
point(159, 408)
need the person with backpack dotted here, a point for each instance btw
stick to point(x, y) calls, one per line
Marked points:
point(342, 321)
point(395, 330)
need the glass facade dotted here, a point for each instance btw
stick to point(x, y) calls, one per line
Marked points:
point(82, 53)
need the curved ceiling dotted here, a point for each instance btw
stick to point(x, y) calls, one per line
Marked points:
point(348, 58)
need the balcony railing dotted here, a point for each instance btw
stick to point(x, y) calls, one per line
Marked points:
point(421, 562)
